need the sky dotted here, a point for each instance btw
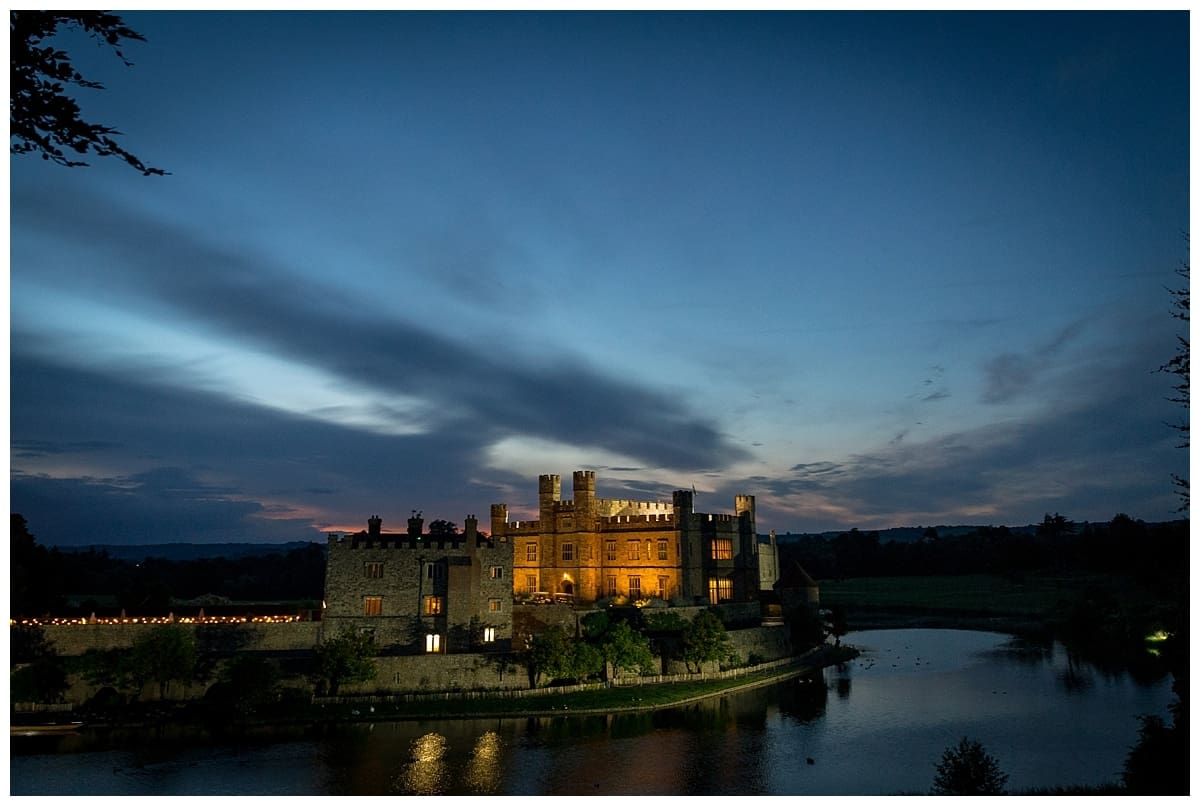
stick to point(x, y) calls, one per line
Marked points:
point(876, 269)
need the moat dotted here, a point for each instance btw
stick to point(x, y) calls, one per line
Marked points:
point(876, 725)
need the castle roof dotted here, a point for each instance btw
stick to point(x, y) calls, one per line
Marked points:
point(794, 576)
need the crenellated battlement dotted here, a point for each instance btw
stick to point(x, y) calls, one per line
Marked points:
point(523, 527)
point(607, 507)
point(399, 541)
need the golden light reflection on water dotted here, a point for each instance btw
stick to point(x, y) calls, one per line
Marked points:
point(428, 772)
point(483, 770)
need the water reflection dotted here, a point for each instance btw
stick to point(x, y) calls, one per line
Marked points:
point(484, 770)
point(427, 774)
point(876, 725)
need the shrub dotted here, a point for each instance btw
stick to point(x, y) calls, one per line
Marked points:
point(967, 769)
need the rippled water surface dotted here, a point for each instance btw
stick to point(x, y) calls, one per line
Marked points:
point(876, 725)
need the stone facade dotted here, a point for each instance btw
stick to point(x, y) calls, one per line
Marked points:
point(420, 593)
point(591, 548)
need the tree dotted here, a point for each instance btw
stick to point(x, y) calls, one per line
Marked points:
point(349, 659)
point(29, 645)
point(551, 656)
point(705, 640)
point(967, 769)
point(250, 681)
point(42, 681)
point(1055, 526)
point(42, 119)
point(627, 650)
point(35, 572)
point(1180, 367)
point(162, 655)
point(837, 625)
point(441, 528)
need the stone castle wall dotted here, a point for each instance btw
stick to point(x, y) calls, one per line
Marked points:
point(76, 639)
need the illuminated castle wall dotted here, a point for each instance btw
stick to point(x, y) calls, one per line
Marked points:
point(592, 548)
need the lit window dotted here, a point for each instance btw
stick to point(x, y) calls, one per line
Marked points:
point(612, 586)
point(489, 634)
point(568, 552)
point(494, 605)
point(531, 583)
point(633, 549)
point(722, 548)
point(372, 605)
point(662, 549)
point(531, 552)
point(662, 587)
point(497, 572)
point(433, 642)
point(433, 605)
point(610, 549)
point(719, 590)
point(374, 570)
point(635, 587)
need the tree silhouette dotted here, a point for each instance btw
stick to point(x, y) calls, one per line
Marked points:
point(627, 650)
point(164, 654)
point(1055, 525)
point(705, 639)
point(442, 528)
point(967, 769)
point(1180, 367)
point(349, 658)
point(42, 118)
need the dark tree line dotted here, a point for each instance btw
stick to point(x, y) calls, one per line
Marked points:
point(1151, 553)
point(42, 578)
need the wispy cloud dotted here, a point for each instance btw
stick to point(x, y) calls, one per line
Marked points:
point(467, 377)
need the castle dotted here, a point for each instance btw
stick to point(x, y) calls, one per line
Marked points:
point(590, 548)
point(434, 593)
point(420, 592)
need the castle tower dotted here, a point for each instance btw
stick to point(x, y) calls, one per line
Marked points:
point(499, 521)
point(584, 482)
point(684, 505)
point(743, 504)
point(549, 492)
point(374, 526)
point(415, 524)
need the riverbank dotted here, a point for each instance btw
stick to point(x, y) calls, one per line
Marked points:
point(628, 697)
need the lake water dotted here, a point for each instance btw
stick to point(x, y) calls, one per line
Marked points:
point(877, 725)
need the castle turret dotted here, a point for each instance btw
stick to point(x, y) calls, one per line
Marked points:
point(471, 531)
point(584, 482)
point(684, 505)
point(549, 492)
point(743, 504)
point(499, 521)
point(374, 526)
point(415, 524)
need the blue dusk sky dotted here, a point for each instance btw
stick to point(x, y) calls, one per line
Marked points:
point(876, 269)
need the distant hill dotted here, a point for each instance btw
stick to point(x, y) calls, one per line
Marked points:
point(188, 551)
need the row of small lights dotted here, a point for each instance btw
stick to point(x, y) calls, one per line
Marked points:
point(34, 622)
